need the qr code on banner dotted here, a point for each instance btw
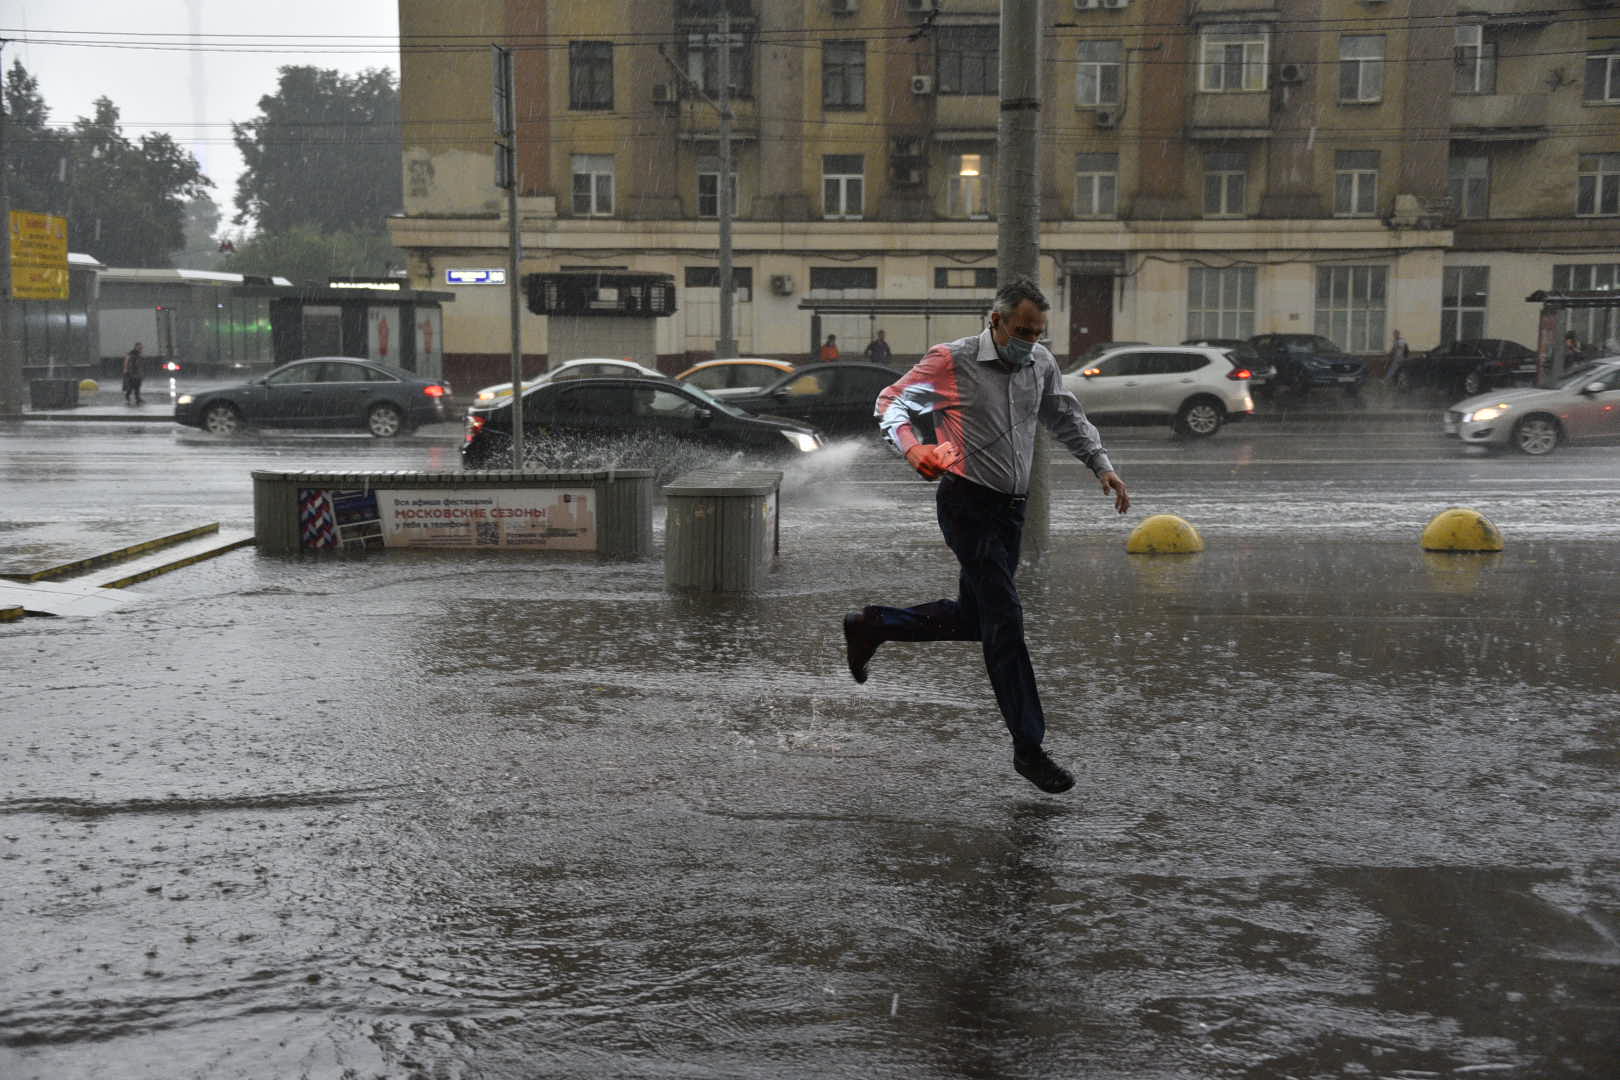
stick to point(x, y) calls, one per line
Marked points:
point(489, 534)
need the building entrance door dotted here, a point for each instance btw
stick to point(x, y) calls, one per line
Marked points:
point(1091, 311)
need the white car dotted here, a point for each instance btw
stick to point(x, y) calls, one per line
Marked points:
point(1195, 389)
point(574, 369)
point(1583, 407)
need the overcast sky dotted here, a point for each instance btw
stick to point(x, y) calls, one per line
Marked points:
point(189, 67)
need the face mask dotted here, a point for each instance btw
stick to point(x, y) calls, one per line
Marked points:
point(1018, 350)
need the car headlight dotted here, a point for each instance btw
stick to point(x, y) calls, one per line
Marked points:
point(184, 399)
point(801, 441)
point(1489, 412)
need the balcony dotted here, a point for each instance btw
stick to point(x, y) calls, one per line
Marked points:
point(1230, 116)
point(1499, 117)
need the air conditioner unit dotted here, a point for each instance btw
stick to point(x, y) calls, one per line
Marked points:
point(1114, 3)
point(922, 84)
point(1086, 5)
point(1107, 118)
point(1291, 73)
point(663, 93)
point(844, 7)
point(782, 284)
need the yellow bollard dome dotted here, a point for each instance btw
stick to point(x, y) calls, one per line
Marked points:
point(88, 386)
point(1461, 529)
point(1164, 534)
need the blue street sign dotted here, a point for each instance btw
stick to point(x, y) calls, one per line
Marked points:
point(475, 277)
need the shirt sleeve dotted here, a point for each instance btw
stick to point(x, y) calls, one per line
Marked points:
point(916, 394)
point(1066, 420)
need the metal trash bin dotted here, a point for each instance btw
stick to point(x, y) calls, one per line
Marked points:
point(53, 393)
point(721, 529)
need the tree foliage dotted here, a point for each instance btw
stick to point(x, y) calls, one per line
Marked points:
point(324, 151)
point(307, 255)
point(125, 202)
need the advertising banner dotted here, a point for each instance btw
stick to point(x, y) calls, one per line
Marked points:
point(555, 519)
point(338, 520)
point(39, 256)
point(382, 333)
point(429, 340)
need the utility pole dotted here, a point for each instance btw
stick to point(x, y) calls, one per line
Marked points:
point(1018, 234)
point(11, 381)
point(506, 177)
point(725, 346)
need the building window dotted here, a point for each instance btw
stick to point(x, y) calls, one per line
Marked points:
point(708, 188)
point(590, 75)
point(964, 277)
point(1350, 302)
point(1475, 61)
point(843, 179)
point(842, 278)
point(1595, 328)
point(1597, 192)
point(966, 59)
point(1355, 183)
point(843, 75)
point(703, 63)
point(1226, 175)
point(1603, 77)
point(1220, 302)
point(593, 185)
point(1361, 68)
point(1096, 185)
point(969, 186)
point(1462, 303)
point(1471, 186)
point(1233, 58)
point(1097, 82)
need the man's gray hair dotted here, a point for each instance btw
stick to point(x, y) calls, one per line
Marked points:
point(1015, 292)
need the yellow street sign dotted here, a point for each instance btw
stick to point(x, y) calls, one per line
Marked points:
point(39, 256)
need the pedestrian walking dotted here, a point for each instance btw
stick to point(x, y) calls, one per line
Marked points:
point(134, 372)
point(829, 351)
point(1398, 352)
point(878, 350)
point(966, 414)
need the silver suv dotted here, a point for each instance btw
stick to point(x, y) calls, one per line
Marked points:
point(1195, 388)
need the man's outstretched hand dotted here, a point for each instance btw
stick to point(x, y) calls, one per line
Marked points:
point(1113, 485)
point(931, 460)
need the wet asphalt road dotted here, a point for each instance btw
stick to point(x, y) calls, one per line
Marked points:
point(1344, 808)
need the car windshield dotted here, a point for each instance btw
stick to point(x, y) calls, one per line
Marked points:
point(711, 401)
point(1579, 377)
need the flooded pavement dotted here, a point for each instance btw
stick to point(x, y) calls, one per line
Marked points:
point(1344, 808)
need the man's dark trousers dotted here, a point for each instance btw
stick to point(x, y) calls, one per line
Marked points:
point(984, 529)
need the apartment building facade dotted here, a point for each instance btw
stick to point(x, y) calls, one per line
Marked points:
point(1208, 167)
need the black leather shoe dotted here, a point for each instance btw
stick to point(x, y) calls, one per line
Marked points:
point(860, 642)
point(1042, 771)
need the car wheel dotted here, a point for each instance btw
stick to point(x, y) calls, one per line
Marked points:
point(1473, 383)
point(1200, 418)
point(222, 418)
point(1404, 383)
point(384, 421)
point(1536, 435)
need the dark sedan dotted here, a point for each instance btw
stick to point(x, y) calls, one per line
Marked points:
point(323, 392)
point(639, 422)
point(1467, 368)
point(836, 397)
point(1306, 361)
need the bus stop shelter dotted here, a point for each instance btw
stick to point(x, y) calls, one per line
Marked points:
point(1556, 307)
